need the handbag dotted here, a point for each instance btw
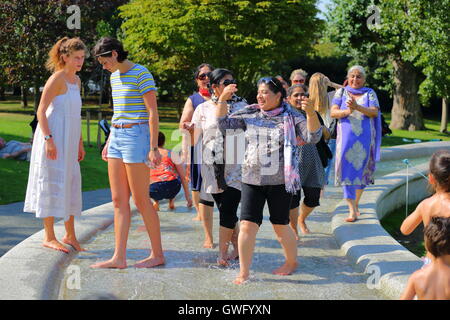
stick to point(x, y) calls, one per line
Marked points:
point(323, 149)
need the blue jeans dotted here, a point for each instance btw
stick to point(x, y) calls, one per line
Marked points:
point(332, 145)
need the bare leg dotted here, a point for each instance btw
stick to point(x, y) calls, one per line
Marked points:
point(293, 217)
point(352, 210)
point(206, 212)
point(305, 211)
point(359, 193)
point(120, 193)
point(138, 179)
point(234, 240)
point(286, 237)
point(70, 237)
point(172, 204)
point(50, 238)
point(195, 200)
point(246, 243)
point(225, 235)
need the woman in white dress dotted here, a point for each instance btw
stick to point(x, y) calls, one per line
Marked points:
point(54, 182)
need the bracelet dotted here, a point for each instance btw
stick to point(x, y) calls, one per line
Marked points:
point(48, 137)
point(221, 102)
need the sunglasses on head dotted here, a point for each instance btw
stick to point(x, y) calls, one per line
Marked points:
point(202, 76)
point(227, 82)
point(267, 80)
point(103, 53)
point(298, 81)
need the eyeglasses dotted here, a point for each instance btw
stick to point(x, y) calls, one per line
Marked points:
point(298, 81)
point(202, 76)
point(227, 82)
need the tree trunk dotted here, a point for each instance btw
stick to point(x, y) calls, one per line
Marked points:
point(444, 117)
point(406, 112)
point(2, 93)
point(23, 95)
point(37, 96)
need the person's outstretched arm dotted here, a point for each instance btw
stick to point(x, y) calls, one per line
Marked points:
point(412, 221)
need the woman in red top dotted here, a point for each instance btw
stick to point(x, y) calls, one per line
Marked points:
point(166, 179)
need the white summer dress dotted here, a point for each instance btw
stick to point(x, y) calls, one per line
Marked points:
point(54, 186)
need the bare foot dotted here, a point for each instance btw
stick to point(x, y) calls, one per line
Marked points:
point(351, 219)
point(73, 242)
point(156, 206)
point(221, 261)
point(208, 244)
point(286, 269)
point(171, 204)
point(110, 264)
point(303, 228)
point(240, 279)
point(197, 218)
point(56, 245)
point(150, 262)
point(358, 213)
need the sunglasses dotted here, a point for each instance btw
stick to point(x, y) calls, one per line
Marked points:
point(300, 94)
point(267, 80)
point(227, 82)
point(298, 81)
point(202, 76)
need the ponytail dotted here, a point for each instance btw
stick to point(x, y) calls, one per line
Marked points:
point(64, 46)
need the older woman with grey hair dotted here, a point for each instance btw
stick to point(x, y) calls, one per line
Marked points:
point(358, 137)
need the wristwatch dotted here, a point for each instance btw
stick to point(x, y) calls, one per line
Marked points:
point(48, 137)
point(154, 148)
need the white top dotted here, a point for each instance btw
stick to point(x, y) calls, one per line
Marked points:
point(54, 186)
point(204, 118)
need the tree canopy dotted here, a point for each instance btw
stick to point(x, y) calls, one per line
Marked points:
point(172, 37)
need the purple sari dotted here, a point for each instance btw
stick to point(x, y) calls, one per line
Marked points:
point(358, 139)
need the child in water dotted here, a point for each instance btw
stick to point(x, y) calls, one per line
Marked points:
point(439, 203)
point(433, 282)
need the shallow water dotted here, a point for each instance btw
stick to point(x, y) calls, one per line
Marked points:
point(191, 271)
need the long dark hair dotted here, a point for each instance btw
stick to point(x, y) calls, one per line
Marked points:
point(440, 168)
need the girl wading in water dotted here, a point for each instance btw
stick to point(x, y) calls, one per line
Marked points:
point(133, 141)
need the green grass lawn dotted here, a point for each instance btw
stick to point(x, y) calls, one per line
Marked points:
point(14, 174)
point(14, 126)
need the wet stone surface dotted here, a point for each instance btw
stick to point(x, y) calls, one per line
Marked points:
point(191, 271)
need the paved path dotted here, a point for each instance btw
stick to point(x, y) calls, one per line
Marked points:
point(16, 225)
point(191, 271)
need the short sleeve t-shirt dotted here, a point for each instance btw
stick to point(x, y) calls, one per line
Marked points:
point(127, 91)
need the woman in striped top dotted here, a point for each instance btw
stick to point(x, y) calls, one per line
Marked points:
point(132, 143)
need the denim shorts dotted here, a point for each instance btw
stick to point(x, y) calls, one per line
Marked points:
point(132, 145)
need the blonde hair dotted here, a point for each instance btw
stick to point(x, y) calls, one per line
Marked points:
point(318, 93)
point(301, 72)
point(64, 46)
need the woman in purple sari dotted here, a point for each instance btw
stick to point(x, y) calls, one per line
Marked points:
point(358, 137)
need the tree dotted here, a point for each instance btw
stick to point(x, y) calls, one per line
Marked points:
point(394, 38)
point(30, 28)
point(171, 37)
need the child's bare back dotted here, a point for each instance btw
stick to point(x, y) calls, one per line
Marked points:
point(430, 283)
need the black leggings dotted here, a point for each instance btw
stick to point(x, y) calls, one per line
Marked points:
point(254, 198)
point(312, 197)
point(227, 202)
